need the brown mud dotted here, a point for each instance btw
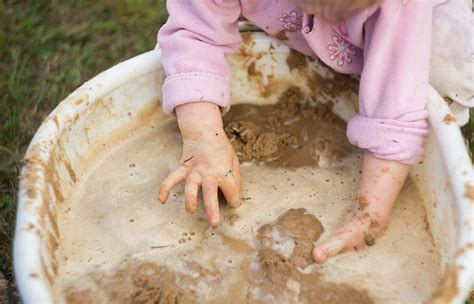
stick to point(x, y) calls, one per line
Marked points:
point(133, 283)
point(331, 86)
point(469, 193)
point(291, 133)
point(281, 35)
point(284, 250)
point(448, 119)
point(279, 274)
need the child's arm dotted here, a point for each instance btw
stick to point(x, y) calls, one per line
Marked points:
point(193, 43)
point(208, 161)
point(381, 182)
point(391, 123)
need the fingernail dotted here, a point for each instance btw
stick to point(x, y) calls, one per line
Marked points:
point(191, 210)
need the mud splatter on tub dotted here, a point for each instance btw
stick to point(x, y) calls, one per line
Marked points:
point(448, 119)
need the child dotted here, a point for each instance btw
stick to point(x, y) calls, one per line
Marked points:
point(387, 42)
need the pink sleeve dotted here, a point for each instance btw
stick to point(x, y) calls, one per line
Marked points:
point(391, 122)
point(193, 42)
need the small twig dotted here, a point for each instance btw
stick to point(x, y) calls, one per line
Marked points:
point(160, 246)
point(188, 159)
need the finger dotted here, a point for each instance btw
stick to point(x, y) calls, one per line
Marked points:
point(191, 191)
point(231, 190)
point(328, 248)
point(170, 181)
point(237, 171)
point(211, 203)
point(350, 235)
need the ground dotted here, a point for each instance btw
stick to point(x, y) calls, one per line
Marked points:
point(47, 49)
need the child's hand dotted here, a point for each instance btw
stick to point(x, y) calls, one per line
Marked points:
point(208, 161)
point(381, 182)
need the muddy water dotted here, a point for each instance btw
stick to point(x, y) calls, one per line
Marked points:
point(119, 245)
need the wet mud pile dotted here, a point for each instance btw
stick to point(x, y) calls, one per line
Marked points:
point(294, 132)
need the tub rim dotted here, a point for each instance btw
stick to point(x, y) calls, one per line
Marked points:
point(454, 153)
point(26, 265)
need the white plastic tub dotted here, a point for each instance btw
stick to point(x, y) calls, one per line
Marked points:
point(82, 125)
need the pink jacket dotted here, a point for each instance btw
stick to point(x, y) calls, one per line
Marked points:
point(388, 44)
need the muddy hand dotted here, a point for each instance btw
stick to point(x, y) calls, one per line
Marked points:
point(381, 183)
point(208, 161)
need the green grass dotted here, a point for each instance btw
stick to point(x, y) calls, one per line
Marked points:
point(468, 132)
point(47, 49)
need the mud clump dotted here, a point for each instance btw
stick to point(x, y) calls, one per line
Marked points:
point(137, 283)
point(369, 239)
point(296, 60)
point(302, 228)
point(293, 132)
point(279, 274)
point(281, 35)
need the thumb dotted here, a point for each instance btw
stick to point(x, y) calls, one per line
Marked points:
point(328, 248)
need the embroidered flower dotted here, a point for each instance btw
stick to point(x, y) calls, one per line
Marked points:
point(341, 51)
point(291, 22)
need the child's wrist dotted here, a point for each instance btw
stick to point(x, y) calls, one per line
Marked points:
point(200, 113)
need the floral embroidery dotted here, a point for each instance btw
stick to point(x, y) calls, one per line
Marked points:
point(342, 51)
point(291, 22)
